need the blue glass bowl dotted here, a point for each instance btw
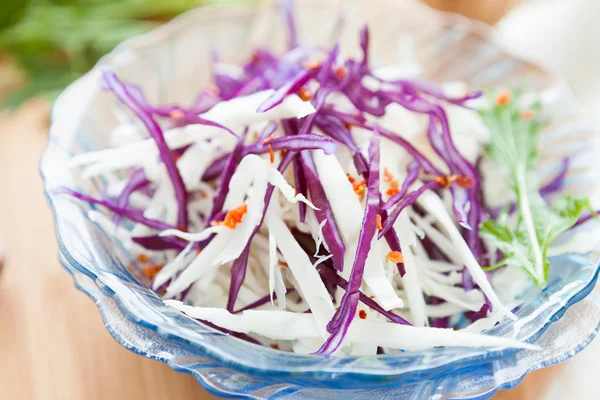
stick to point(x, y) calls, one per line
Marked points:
point(170, 65)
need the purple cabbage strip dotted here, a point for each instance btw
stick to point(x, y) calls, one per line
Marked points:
point(288, 10)
point(331, 234)
point(221, 193)
point(391, 238)
point(361, 97)
point(364, 45)
point(268, 131)
point(301, 187)
point(557, 182)
point(341, 321)
point(330, 275)
point(238, 335)
point(388, 223)
point(113, 83)
point(436, 91)
point(310, 141)
point(290, 87)
point(262, 301)
point(137, 181)
point(411, 177)
point(134, 215)
point(237, 276)
point(476, 315)
point(156, 242)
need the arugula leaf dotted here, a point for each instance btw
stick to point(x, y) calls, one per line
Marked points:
point(525, 238)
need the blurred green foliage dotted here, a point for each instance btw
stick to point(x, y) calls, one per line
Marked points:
point(55, 41)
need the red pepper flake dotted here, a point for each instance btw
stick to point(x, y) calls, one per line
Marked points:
point(378, 222)
point(268, 139)
point(312, 65)
point(371, 297)
point(271, 154)
point(358, 185)
point(359, 188)
point(152, 270)
point(234, 216)
point(340, 72)
point(347, 126)
point(387, 175)
point(395, 256)
point(444, 181)
point(283, 152)
point(503, 97)
point(527, 115)
point(362, 314)
point(351, 179)
point(304, 93)
point(392, 191)
point(282, 263)
point(465, 182)
point(182, 228)
point(275, 346)
point(214, 90)
point(198, 250)
point(177, 115)
point(143, 258)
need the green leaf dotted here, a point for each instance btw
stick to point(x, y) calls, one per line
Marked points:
point(524, 239)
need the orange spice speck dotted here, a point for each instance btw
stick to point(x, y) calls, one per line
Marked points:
point(275, 346)
point(202, 195)
point(271, 154)
point(362, 314)
point(198, 250)
point(214, 90)
point(444, 181)
point(182, 228)
point(527, 114)
point(143, 258)
point(176, 115)
point(351, 179)
point(304, 93)
point(392, 191)
point(340, 71)
point(234, 216)
point(387, 175)
point(152, 270)
point(358, 185)
point(282, 263)
point(503, 97)
point(347, 126)
point(312, 65)
point(395, 257)
point(268, 139)
point(464, 182)
point(378, 222)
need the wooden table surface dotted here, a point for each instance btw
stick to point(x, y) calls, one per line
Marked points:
point(53, 344)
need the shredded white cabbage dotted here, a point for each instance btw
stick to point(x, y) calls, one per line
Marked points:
point(286, 257)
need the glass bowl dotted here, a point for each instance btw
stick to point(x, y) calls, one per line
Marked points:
point(170, 64)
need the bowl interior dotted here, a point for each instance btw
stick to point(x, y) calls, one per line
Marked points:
point(171, 66)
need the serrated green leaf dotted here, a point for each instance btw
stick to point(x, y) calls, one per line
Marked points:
point(524, 240)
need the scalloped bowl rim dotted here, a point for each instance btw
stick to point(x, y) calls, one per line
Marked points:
point(154, 36)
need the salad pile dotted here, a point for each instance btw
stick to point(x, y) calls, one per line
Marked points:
point(316, 204)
